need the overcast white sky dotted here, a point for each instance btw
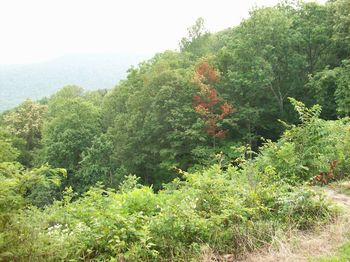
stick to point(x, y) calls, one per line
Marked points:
point(37, 30)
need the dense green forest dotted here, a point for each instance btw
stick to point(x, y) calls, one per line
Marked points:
point(208, 149)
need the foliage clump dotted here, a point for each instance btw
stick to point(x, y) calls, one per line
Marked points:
point(215, 208)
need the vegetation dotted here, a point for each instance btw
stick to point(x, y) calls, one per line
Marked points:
point(342, 187)
point(209, 149)
point(343, 254)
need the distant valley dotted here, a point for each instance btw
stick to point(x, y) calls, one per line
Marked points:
point(35, 81)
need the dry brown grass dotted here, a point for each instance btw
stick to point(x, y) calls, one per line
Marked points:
point(341, 187)
point(293, 246)
point(301, 246)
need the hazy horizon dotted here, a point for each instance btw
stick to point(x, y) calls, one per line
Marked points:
point(46, 45)
point(42, 79)
point(40, 30)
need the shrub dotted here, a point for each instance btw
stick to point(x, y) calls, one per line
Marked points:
point(218, 209)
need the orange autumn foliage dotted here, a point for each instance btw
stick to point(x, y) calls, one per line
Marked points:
point(208, 103)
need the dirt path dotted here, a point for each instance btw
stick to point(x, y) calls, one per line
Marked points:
point(324, 241)
point(340, 199)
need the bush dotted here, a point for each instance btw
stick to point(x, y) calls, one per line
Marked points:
point(215, 208)
point(306, 150)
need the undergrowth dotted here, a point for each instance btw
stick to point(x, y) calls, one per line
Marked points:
point(231, 209)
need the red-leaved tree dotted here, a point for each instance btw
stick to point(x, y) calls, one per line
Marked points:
point(208, 103)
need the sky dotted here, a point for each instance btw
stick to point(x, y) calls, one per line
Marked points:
point(38, 30)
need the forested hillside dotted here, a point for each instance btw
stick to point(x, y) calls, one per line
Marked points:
point(209, 149)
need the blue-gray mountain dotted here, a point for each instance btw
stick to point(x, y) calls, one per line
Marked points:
point(90, 71)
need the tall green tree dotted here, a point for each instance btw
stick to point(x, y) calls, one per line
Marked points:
point(73, 123)
point(155, 126)
point(268, 58)
point(341, 25)
point(260, 68)
point(332, 89)
point(100, 164)
point(25, 122)
point(314, 28)
point(199, 41)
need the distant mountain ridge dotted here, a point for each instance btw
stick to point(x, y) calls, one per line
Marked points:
point(35, 81)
